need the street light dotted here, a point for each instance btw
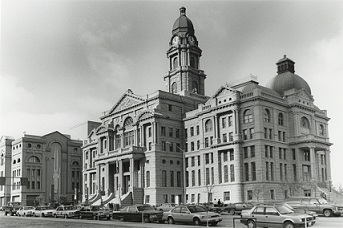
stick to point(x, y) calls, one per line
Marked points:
point(183, 170)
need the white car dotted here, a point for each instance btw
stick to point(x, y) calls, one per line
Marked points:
point(65, 211)
point(25, 211)
point(44, 211)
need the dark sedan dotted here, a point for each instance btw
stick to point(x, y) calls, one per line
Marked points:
point(94, 212)
point(236, 208)
point(139, 213)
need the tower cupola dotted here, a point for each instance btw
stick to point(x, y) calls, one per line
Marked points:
point(285, 64)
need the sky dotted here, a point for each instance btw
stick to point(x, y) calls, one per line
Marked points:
point(67, 62)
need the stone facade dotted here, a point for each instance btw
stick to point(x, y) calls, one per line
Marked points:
point(52, 165)
point(246, 142)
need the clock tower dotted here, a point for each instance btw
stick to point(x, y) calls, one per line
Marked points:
point(184, 76)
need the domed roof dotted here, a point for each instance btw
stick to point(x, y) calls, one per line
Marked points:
point(183, 24)
point(286, 79)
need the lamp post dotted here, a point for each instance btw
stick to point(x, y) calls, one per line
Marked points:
point(183, 170)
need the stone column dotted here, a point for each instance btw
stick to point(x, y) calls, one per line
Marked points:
point(132, 167)
point(328, 164)
point(120, 177)
point(313, 159)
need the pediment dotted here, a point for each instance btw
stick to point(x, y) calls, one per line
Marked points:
point(126, 101)
point(304, 95)
point(224, 91)
point(101, 129)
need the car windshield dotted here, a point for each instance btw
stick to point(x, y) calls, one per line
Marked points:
point(194, 209)
point(145, 208)
point(47, 208)
point(288, 206)
point(95, 208)
point(322, 201)
point(69, 208)
point(284, 210)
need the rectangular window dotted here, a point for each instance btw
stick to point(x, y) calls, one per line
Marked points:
point(270, 134)
point(147, 179)
point(164, 147)
point(163, 131)
point(170, 108)
point(225, 156)
point(207, 158)
point(198, 144)
point(232, 155)
point(171, 147)
point(253, 171)
point(206, 142)
point(207, 176)
point(199, 177)
point(193, 177)
point(193, 161)
point(172, 198)
point(192, 131)
point(187, 179)
point(272, 194)
point(232, 173)
point(230, 121)
point(171, 178)
point(211, 140)
point(280, 153)
point(147, 199)
point(271, 151)
point(245, 149)
point(251, 131)
point(230, 136)
point(224, 122)
point(211, 158)
point(307, 156)
point(192, 146)
point(225, 138)
point(186, 162)
point(226, 196)
point(246, 171)
point(265, 133)
point(170, 132)
point(295, 172)
point(178, 147)
point(285, 167)
point(226, 174)
point(266, 153)
point(198, 160)
point(267, 171)
point(177, 133)
point(252, 151)
point(212, 175)
point(245, 134)
point(281, 175)
point(178, 179)
point(272, 171)
point(193, 198)
point(249, 195)
point(198, 130)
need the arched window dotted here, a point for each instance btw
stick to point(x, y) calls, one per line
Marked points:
point(128, 122)
point(175, 63)
point(321, 130)
point(174, 87)
point(266, 115)
point(14, 161)
point(208, 126)
point(75, 163)
point(195, 87)
point(18, 160)
point(304, 126)
point(305, 123)
point(280, 119)
point(34, 159)
point(247, 116)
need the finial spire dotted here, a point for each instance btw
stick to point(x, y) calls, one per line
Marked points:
point(182, 11)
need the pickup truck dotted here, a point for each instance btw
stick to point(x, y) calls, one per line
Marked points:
point(318, 205)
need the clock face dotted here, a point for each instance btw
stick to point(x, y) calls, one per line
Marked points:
point(175, 40)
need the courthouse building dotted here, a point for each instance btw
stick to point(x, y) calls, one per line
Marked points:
point(246, 142)
point(48, 167)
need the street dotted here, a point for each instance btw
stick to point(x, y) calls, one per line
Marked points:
point(33, 222)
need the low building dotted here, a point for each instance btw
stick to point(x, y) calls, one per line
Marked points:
point(42, 169)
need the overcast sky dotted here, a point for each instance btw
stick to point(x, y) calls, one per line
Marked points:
point(66, 62)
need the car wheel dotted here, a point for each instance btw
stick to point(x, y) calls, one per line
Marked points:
point(232, 211)
point(24, 215)
point(94, 217)
point(250, 224)
point(170, 220)
point(288, 225)
point(214, 223)
point(42, 215)
point(65, 216)
point(327, 213)
point(55, 215)
point(147, 219)
point(196, 221)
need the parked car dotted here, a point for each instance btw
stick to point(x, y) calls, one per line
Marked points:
point(44, 211)
point(25, 211)
point(274, 216)
point(193, 214)
point(211, 207)
point(139, 213)
point(166, 206)
point(318, 205)
point(11, 209)
point(236, 208)
point(94, 212)
point(67, 211)
point(300, 210)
